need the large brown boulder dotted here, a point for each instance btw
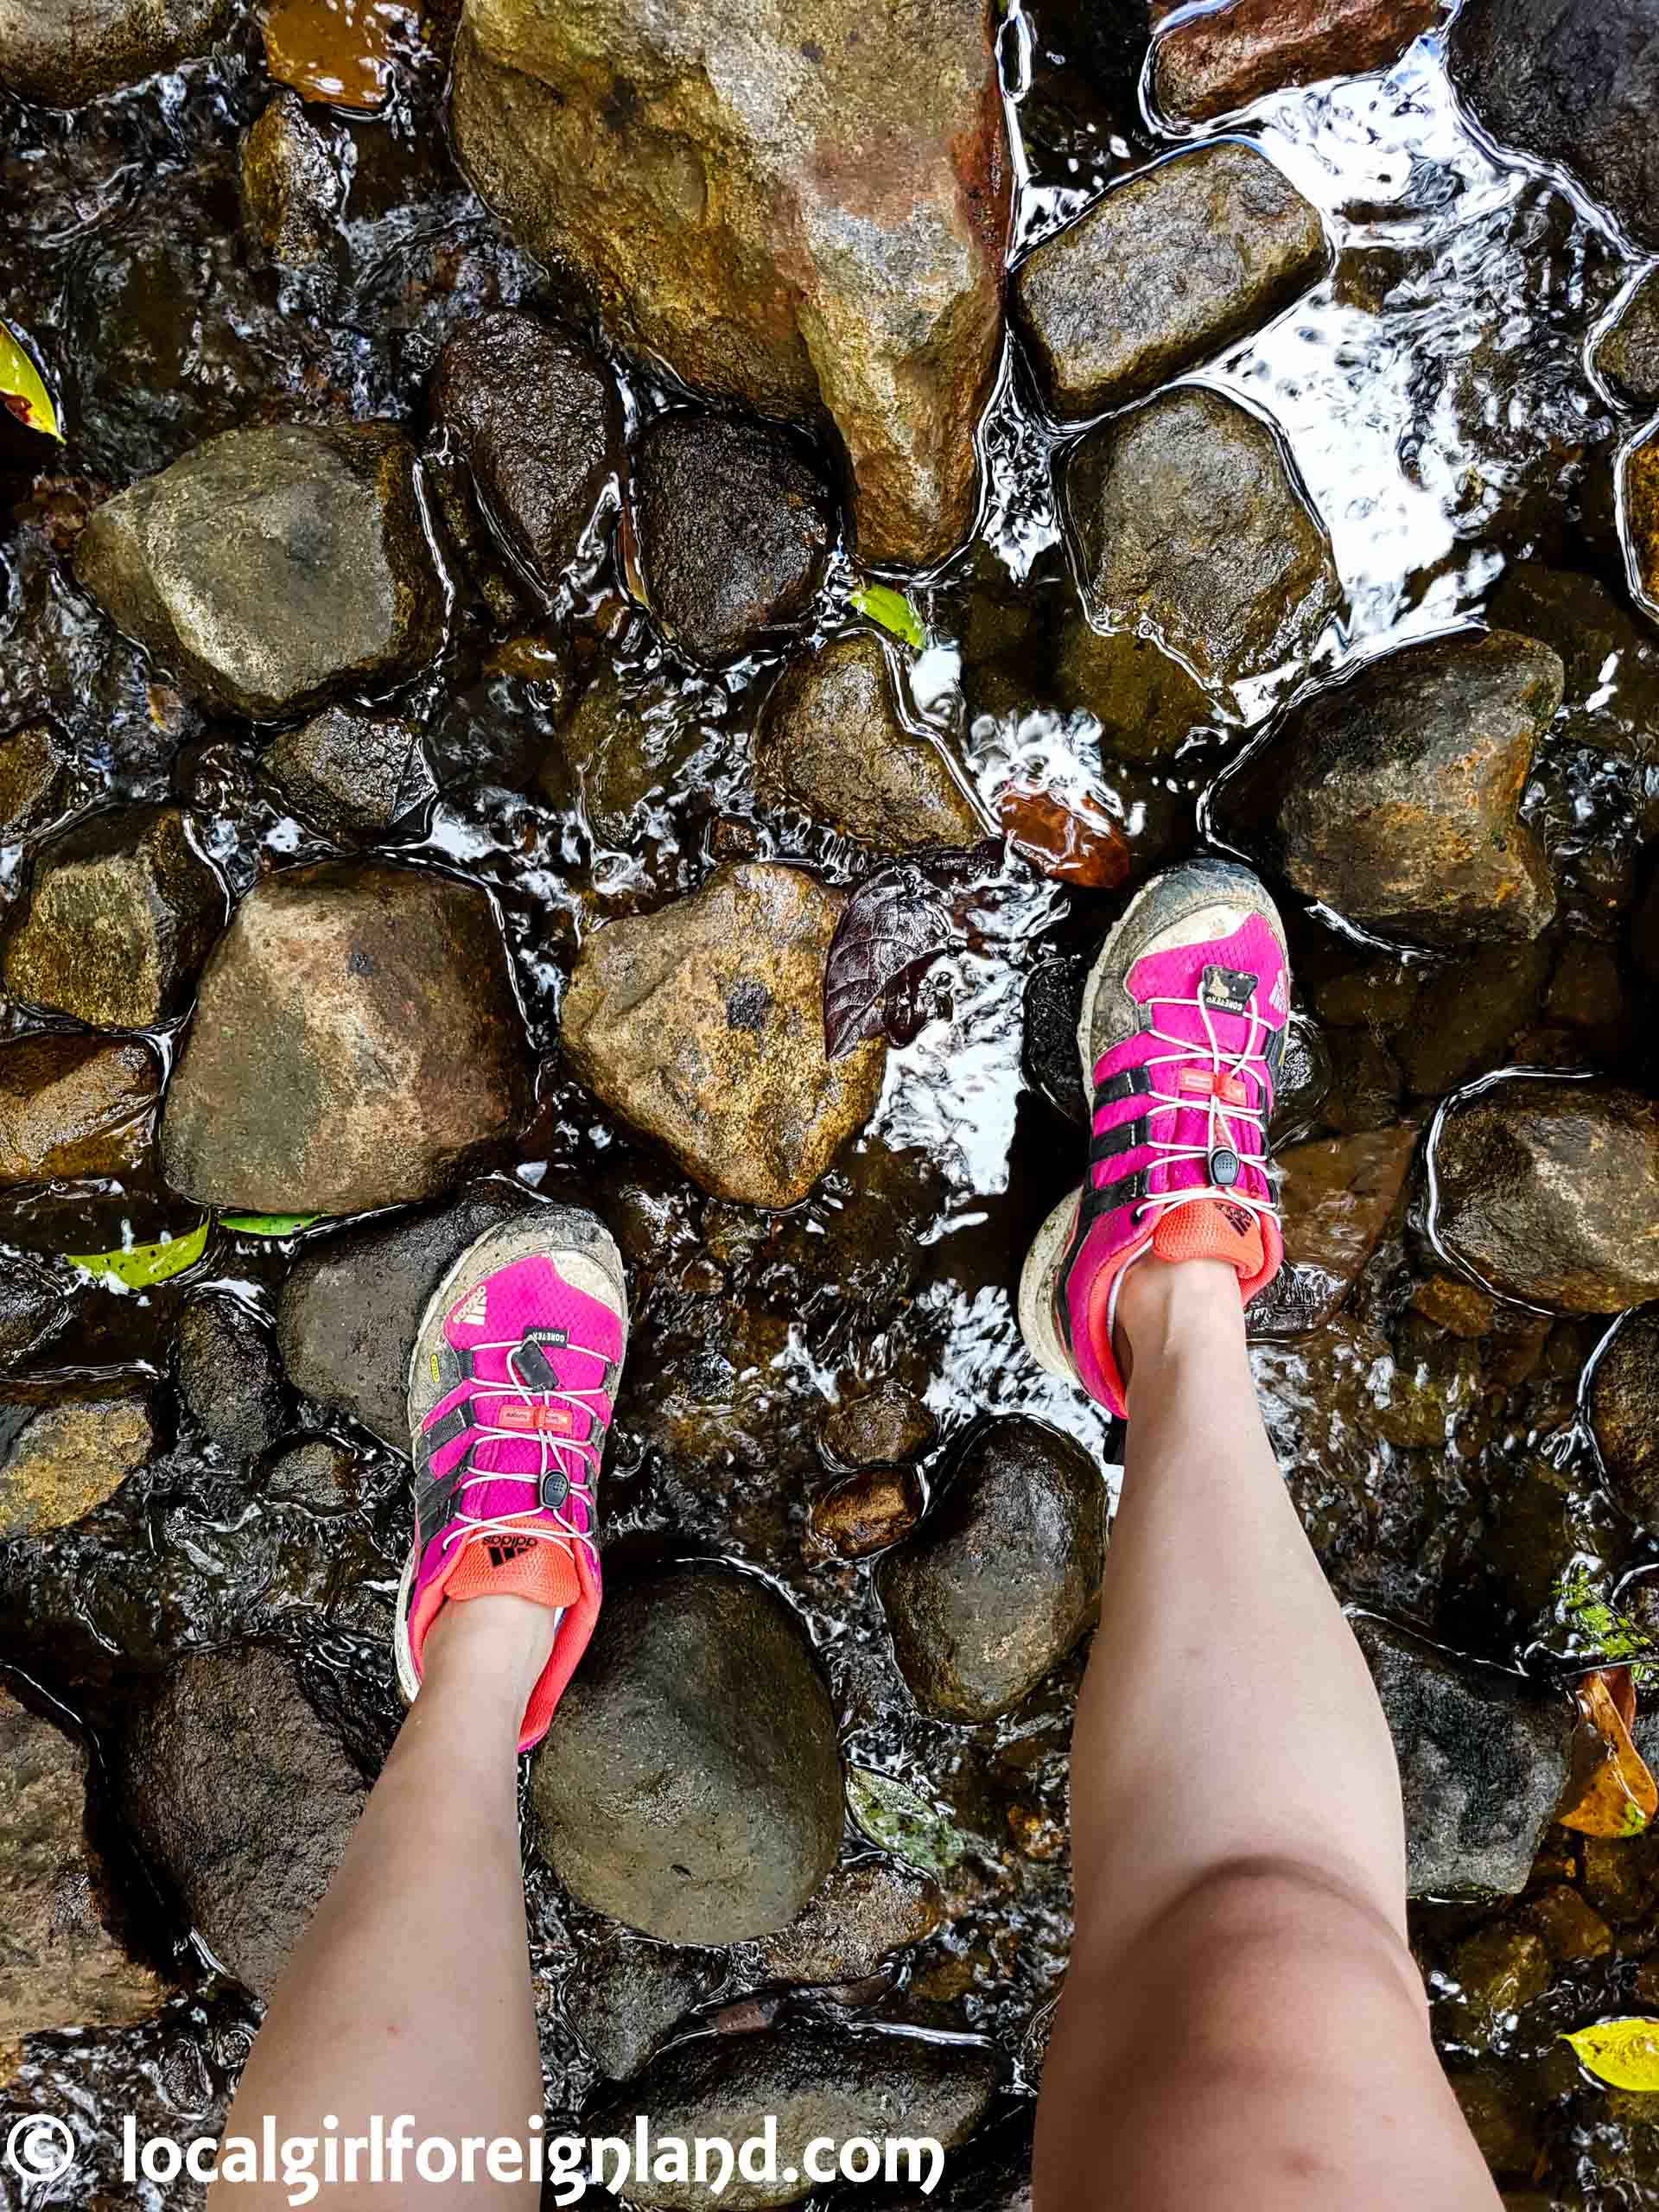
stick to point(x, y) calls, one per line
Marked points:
point(356, 1043)
point(702, 1024)
point(761, 197)
point(62, 1962)
point(1549, 1190)
point(1394, 797)
point(272, 567)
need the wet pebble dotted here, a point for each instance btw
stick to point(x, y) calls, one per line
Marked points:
point(229, 1375)
point(624, 1995)
point(865, 1512)
point(352, 774)
point(74, 1106)
point(70, 1455)
point(862, 1914)
point(1209, 64)
point(882, 1428)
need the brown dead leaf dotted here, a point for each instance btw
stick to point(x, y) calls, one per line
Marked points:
point(1612, 1792)
point(1070, 839)
point(339, 51)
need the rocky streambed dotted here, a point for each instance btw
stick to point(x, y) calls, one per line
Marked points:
point(563, 517)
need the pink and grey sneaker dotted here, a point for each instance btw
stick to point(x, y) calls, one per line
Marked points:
point(1182, 1029)
point(510, 1387)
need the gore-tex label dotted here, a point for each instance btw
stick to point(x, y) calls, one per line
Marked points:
point(1230, 988)
point(557, 1337)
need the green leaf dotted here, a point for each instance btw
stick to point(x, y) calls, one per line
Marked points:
point(1623, 2053)
point(891, 610)
point(138, 1266)
point(267, 1224)
point(894, 1815)
point(21, 389)
point(1581, 1603)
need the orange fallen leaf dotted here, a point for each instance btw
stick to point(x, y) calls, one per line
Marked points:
point(340, 51)
point(1612, 1792)
point(1072, 840)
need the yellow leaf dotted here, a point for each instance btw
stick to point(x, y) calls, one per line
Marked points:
point(22, 390)
point(138, 1266)
point(1623, 2053)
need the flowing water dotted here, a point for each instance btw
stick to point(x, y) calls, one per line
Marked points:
point(1434, 390)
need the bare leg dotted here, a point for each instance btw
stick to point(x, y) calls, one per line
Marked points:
point(410, 1992)
point(1241, 2022)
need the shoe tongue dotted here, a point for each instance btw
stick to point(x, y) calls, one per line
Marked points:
point(1210, 1229)
point(515, 1567)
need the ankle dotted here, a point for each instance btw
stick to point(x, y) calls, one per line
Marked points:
point(490, 1650)
point(1165, 1305)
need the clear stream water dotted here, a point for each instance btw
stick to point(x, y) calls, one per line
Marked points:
point(1434, 390)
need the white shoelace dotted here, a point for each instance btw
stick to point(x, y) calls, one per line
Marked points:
point(1222, 1065)
point(530, 1520)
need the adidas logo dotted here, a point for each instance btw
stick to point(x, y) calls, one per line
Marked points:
point(475, 1312)
point(1278, 998)
point(1239, 1219)
point(503, 1548)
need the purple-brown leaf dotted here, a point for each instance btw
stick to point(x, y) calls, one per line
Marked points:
point(897, 924)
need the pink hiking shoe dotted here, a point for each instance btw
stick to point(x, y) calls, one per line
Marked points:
point(1182, 1029)
point(510, 1387)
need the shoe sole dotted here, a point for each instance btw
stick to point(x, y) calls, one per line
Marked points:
point(1167, 899)
point(594, 1266)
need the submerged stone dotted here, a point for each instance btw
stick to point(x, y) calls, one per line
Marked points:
point(356, 1043)
point(66, 1456)
point(244, 1800)
point(1210, 64)
point(273, 566)
point(65, 53)
point(814, 2080)
point(293, 186)
point(1623, 1406)
point(1003, 1575)
point(690, 1783)
point(1189, 524)
point(1610, 658)
point(1638, 484)
point(1549, 1190)
point(831, 742)
point(1147, 705)
point(881, 1429)
point(229, 1374)
point(352, 773)
point(36, 781)
point(72, 1106)
point(1163, 271)
point(866, 1511)
point(764, 200)
point(702, 1024)
point(1394, 797)
point(1627, 351)
point(1570, 81)
point(1483, 1763)
point(733, 525)
point(64, 1963)
point(537, 417)
point(121, 912)
point(1338, 1194)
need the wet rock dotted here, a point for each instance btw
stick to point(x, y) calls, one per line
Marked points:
point(832, 743)
point(1586, 990)
point(1209, 65)
point(734, 524)
point(1162, 272)
point(356, 1043)
point(1338, 1194)
point(690, 1783)
point(318, 1474)
point(230, 1377)
point(881, 1429)
point(817, 2080)
point(1053, 1003)
point(1627, 351)
point(293, 186)
point(686, 182)
point(64, 1458)
point(1638, 484)
point(72, 1106)
point(625, 1995)
point(1146, 704)
point(352, 773)
point(1482, 1764)
point(1571, 1929)
point(77, 50)
point(1570, 81)
point(1498, 1969)
point(350, 1308)
point(867, 1511)
point(1624, 1414)
point(1547, 1191)
point(1002, 1577)
point(1466, 1016)
point(1503, 2123)
point(1393, 796)
point(862, 1915)
point(272, 567)
point(64, 1964)
point(1460, 1307)
point(238, 1793)
point(702, 1024)
point(1609, 660)
point(1189, 524)
point(537, 417)
point(35, 1296)
point(121, 914)
point(36, 781)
